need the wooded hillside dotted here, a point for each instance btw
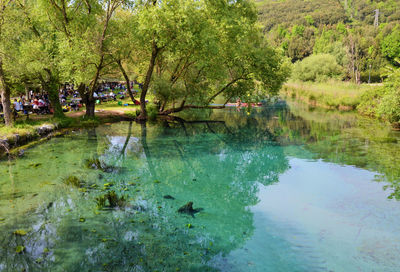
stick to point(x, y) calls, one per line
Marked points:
point(360, 34)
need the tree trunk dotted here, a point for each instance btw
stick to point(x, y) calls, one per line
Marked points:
point(27, 91)
point(90, 106)
point(143, 113)
point(51, 87)
point(5, 96)
point(127, 80)
point(54, 98)
point(87, 99)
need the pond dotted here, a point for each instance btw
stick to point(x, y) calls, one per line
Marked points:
point(281, 188)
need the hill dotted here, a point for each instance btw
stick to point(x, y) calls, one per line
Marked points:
point(361, 34)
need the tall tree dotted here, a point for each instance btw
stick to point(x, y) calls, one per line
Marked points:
point(84, 27)
point(5, 91)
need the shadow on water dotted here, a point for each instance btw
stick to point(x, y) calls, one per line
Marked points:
point(217, 162)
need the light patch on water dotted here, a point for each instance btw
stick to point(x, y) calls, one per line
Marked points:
point(329, 217)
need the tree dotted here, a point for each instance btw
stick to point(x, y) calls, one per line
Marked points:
point(178, 46)
point(5, 90)
point(391, 45)
point(38, 52)
point(83, 26)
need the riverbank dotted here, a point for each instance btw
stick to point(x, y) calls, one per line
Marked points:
point(344, 96)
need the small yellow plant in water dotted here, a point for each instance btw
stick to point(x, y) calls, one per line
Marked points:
point(20, 232)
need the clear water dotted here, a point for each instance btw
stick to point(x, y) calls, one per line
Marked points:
point(282, 189)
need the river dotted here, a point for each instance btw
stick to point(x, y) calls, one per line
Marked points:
point(280, 188)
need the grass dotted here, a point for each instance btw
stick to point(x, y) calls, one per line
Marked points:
point(23, 127)
point(331, 94)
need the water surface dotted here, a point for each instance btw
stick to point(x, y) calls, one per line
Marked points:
point(282, 188)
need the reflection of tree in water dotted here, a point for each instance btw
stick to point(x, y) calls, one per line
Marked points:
point(209, 163)
point(343, 138)
point(218, 170)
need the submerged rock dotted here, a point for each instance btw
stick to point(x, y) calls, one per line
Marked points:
point(188, 209)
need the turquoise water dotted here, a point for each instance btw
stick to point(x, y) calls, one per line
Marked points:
point(281, 189)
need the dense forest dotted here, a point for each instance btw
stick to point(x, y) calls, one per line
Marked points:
point(349, 40)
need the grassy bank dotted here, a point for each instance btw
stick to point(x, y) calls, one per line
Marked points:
point(331, 94)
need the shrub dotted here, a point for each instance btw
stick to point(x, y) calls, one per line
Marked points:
point(384, 102)
point(317, 68)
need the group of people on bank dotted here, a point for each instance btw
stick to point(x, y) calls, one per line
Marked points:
point(69, 97)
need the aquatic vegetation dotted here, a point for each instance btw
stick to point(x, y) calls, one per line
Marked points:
point(107, 186)
point(73, 181)
point(113, 200)
point(35, 165)
point(93, 163)
point(19, 249)
point(20, 232)
point(101, 201)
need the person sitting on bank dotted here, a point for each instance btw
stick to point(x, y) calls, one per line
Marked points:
point(111, 95)
point(35, 104)
point(17, 105)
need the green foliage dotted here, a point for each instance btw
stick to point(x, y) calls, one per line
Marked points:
point(317, 68)
point(384, 102)
point(391, 44)
point(344, 29)
point(329, 42)
point(298, 30)
point(309, 19)
point(288, 12)
point(152, 112)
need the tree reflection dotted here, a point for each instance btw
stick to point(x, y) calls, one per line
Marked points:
point(216, 166)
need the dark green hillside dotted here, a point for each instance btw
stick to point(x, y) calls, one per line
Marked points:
point(324, 12)
point(291, 12)
point(355, 32)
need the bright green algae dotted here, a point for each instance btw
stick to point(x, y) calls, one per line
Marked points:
point(54, 193)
